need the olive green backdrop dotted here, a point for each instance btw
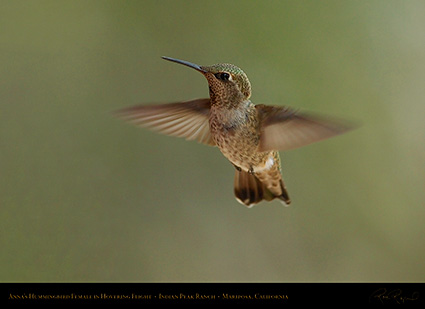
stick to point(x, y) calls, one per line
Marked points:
point(87, 197)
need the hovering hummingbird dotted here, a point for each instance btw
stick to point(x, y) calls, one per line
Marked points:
point(248, 135)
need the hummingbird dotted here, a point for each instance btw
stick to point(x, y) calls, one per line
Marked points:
point(248, 135)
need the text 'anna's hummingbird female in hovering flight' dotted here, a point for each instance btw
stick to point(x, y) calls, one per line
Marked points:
point(248, 135)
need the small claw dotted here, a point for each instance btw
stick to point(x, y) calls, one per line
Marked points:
point(237, 168)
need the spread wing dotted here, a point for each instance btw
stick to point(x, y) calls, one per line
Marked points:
point(283, 128)
point(184, 119)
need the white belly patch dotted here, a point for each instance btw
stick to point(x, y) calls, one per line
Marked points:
point(268, 165)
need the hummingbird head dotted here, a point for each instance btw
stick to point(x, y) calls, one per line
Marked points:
point(224, 79)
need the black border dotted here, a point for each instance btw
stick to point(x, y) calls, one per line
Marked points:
point(213, 293)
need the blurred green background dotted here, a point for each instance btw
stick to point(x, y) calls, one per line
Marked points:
point(86, 197)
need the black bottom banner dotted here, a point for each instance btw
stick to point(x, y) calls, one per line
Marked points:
point(214, 293)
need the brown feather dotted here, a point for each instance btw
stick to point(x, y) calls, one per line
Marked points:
point(283, 128)
point(249, 190)
point(184, 119)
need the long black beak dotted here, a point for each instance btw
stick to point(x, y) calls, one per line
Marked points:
point(186, 63)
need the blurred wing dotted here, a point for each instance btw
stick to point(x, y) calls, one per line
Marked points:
point(184, 119)
point(283, 128)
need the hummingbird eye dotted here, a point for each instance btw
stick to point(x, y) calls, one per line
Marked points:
point(223, 76)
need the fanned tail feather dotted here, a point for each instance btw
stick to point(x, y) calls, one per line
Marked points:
point(250, 191)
